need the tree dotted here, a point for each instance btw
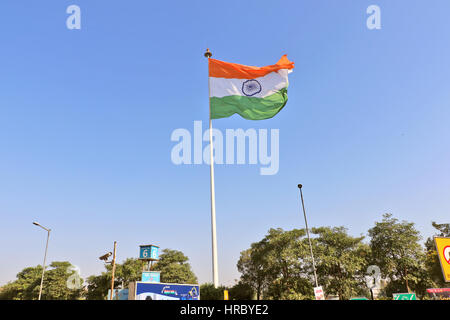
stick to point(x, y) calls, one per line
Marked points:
point(241, 291)
point(25, 287)
point(396, 250)
point(27, 284)
point(209, 292)
point(97, 286)
point(56, 283)
point(174, 268)
point(128, 271)
point(289, 266)
point(341, 261)
point(251, 265)
point(277, 267)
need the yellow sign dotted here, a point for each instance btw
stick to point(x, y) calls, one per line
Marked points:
point(443, 249)
point(225, 294)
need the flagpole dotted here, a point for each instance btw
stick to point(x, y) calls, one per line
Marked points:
point(215, 267)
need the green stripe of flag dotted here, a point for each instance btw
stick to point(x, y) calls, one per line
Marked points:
point(250, 108)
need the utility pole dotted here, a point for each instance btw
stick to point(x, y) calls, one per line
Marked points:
point(113, 270)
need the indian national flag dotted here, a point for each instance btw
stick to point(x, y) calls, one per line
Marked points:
point(255, 93)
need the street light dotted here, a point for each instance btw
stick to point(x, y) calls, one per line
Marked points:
point(45, 256)
point(309, 239)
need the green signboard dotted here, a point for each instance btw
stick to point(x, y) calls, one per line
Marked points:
point(359, 298)
point(404, 296)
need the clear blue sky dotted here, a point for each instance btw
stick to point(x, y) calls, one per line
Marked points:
point(86, 118)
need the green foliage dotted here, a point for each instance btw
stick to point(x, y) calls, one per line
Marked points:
point(280, 267)
point(341, 262)
point(174, 268)
point(444, 229)
point(241, 291)
point(55, 283)
point(27, 284)
point(25, 287)
point(252, 267)
point(396, 250)
point(209, 292)
point(97, 286)
point(130, 270)
point(277, 265)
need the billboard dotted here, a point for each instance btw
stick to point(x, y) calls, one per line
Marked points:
point(118, 294)
point(166, 291)
point(443, 250)
point(439, 293)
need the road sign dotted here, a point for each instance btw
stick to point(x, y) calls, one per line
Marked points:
point(151, 276)
point(225, 295)
point(404, 296)
point(318, 292)
point(443, 250)
point(359, 298)
point(149, 252)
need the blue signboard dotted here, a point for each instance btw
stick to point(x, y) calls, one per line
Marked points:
point(118, 294)
point(167, 291)
point(154, 252)
point(151, 276)
point(149, 252)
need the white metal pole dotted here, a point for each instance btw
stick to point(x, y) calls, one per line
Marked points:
point(309, 239)
point(213, 196)
point(43, 267)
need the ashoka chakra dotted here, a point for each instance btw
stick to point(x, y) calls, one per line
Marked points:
point(251, 87)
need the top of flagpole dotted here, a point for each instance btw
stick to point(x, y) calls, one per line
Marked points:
point(208, 53)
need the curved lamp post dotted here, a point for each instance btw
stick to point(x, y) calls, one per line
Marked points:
point(309, 239)
point(45, 256)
